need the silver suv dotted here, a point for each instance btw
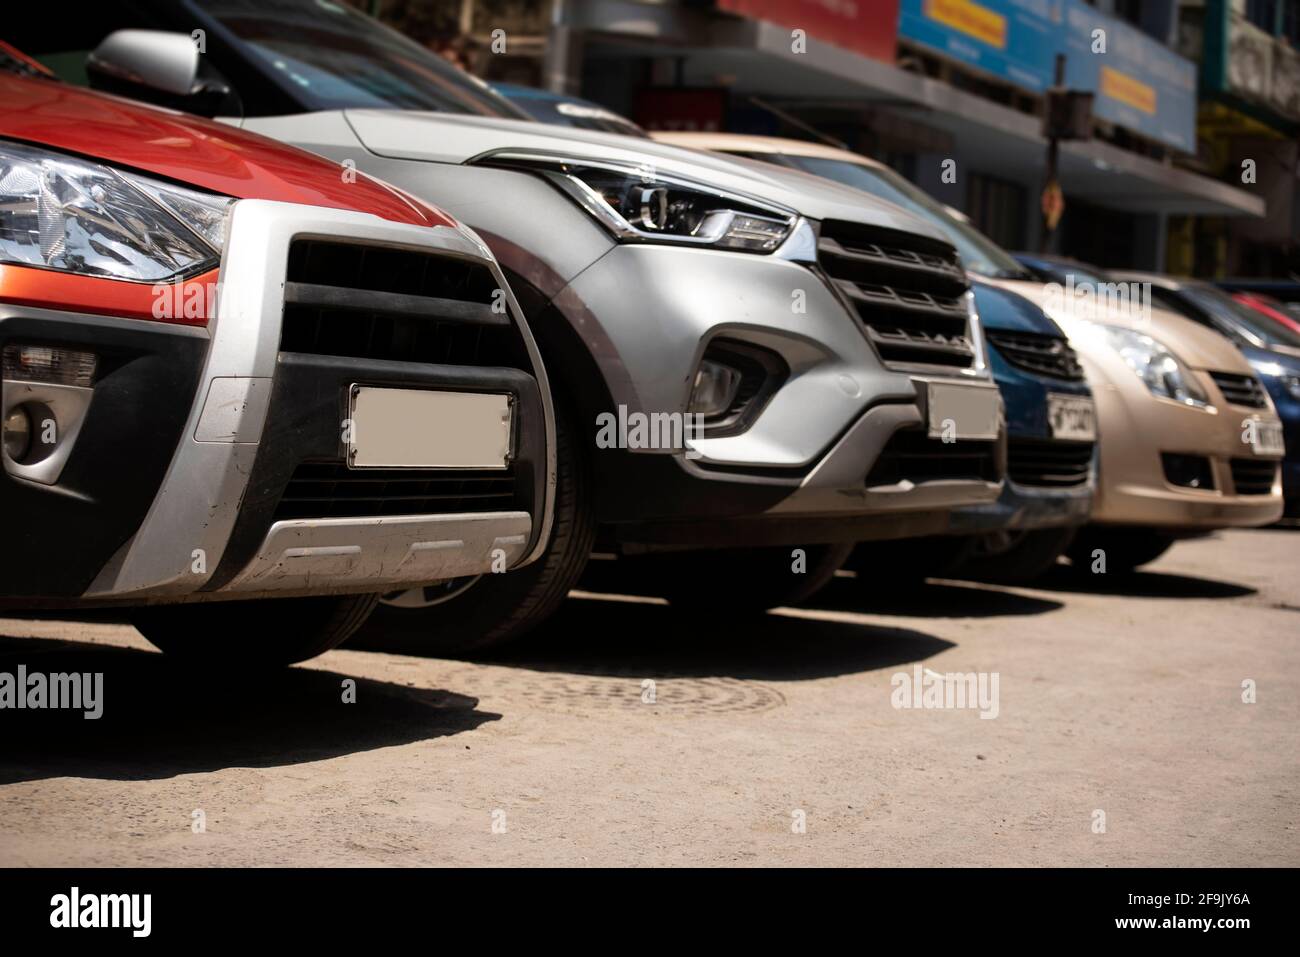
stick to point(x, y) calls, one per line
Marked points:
point(750, 362)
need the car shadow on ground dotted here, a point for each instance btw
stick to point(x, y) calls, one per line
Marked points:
point(608, 635)
point(928, 598)
point(1141, 583)
point(161, 719)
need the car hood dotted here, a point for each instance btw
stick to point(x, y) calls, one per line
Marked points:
point(1196, 345)
point(199, 153)
point(1003, 309)
point(452, 138)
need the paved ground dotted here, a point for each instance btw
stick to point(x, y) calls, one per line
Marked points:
point(1122, 696)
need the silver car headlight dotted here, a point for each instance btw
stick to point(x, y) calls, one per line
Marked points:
point(65, 213)
point(640, 204)
point(1164, 373)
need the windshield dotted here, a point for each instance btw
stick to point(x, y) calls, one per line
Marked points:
point(978, 253)
point(1253, 326)
point(328, 56)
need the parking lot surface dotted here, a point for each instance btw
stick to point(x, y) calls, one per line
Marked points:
point(629, 733)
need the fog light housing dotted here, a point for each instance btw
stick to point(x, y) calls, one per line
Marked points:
point(17, 430)
point(49, 364)
point(715, 388)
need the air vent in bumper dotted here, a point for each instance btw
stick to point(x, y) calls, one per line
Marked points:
point(1048, 464)
point(911, 455)
point(1253, 476)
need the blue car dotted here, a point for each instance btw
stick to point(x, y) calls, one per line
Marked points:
point(1051, 445)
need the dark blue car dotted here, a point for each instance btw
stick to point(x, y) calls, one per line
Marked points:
point(1050, 478)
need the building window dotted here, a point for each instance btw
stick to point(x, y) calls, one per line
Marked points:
point(997, 209)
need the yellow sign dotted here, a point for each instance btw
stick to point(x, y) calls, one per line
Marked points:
point(1127, 90)
point(971, 19)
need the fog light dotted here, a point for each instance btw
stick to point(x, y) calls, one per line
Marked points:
point(49, 364)
point(715, 388)
point(17, 434)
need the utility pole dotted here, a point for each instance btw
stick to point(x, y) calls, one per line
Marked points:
point(1053, 200)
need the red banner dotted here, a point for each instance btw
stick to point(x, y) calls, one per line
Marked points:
point(869, 27)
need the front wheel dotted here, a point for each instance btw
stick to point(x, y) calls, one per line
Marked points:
point(267, 632)
point(1122, 549)
point(478, 613)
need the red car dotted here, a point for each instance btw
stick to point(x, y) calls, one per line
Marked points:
point(1268, 306)
point(245, 390)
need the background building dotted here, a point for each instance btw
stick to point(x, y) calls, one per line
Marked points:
point(1185, 92)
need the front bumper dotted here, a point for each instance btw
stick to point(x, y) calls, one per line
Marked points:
point(1137, 428)
point(801, 471)
point(199, 441)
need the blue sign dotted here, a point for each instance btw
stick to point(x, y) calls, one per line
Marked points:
point(1140, 84)
point(1014, 40)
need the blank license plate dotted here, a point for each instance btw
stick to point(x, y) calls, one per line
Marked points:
point(420, 429)
point(1073, 418)
point(963, 411)
point(1267, 438)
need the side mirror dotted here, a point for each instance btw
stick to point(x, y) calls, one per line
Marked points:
point(159, 67)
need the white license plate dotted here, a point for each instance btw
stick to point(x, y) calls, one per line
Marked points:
point(421, 429)
point(1266, 438)
point(1073, 418)
point(963, 411)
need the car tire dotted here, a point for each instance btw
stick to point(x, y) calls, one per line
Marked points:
point(728, 580)
point(498, 608)
point(269, 632)
point(1125, 548)
point(1029, 554)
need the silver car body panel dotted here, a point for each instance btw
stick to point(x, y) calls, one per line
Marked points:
point(646, 311)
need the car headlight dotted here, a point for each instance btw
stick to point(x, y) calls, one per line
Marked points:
point(1163, 372)
point(639, 204)
point(61, 212)
point(1292, 385)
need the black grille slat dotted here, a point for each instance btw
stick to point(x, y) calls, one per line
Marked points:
point(401, 305)
point(1048, 464)
point(1253, 476)
point(1041, 354)
point(344, 300)
point(908, 291)
point(332, 490)
point(1244, 390)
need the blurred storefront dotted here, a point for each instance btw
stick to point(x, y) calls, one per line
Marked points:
point(1248, 124)
point(920, 84)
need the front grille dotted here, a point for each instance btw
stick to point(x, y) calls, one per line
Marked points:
point(907, 290)
point(332, 490)
point(1047, 464)
point(1253, 476)
point(377, 302)
point(912, 455)
point(1040, 354)
point(1241, 389)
